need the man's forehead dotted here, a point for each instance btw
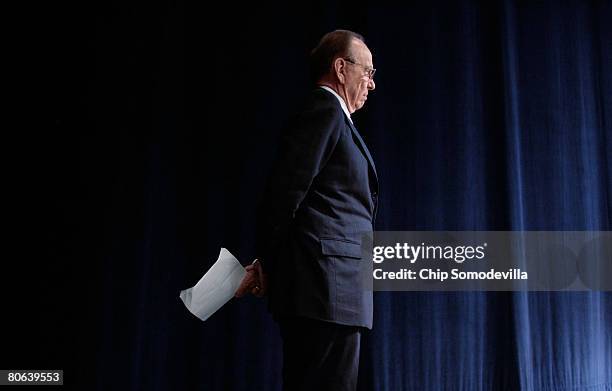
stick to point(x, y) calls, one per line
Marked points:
point(359, 48)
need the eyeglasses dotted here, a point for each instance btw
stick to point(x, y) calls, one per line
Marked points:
point(369, 71)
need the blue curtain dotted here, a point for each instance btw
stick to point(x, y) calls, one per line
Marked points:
point(500, 120)
point(486, 116)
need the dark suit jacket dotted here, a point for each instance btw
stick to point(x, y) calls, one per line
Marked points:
point(320, 199)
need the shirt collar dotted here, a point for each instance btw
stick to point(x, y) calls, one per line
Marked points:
point(342, 103)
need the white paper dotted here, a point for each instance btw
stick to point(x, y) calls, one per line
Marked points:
point(216, 287)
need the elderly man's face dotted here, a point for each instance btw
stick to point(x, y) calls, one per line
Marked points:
point(357, 80)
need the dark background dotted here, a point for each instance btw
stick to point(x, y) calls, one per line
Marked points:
point(149, 130)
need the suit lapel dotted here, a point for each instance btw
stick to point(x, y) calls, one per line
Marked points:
point(363, 147)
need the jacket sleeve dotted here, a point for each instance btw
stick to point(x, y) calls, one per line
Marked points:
point(304, 150)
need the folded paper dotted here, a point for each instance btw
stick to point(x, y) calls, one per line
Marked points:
point(216, 287)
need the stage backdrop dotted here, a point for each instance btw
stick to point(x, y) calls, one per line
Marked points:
point(163, 121)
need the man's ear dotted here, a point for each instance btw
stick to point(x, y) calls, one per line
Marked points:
point(339, 65)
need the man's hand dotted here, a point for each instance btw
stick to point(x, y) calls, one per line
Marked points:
point(255, 281)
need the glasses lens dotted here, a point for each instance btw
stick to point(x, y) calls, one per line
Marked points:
point(369, 72)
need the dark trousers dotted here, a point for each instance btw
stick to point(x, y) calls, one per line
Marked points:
point(319, 355)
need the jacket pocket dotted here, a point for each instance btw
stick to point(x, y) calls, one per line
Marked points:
point(340, 247)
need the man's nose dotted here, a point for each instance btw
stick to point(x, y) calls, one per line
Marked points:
point(371, 84)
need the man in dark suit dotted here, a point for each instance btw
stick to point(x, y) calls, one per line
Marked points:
point(320, 200)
